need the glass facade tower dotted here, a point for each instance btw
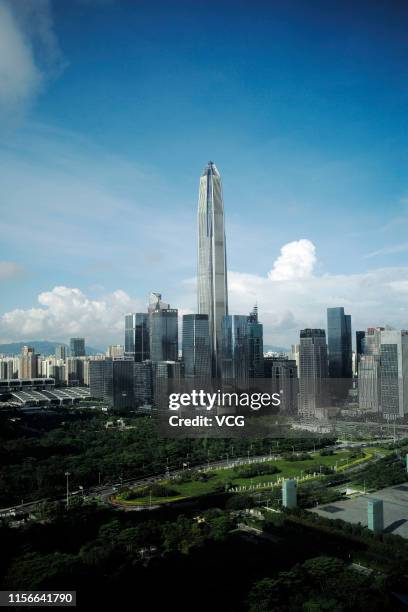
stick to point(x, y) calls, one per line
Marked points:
point(312, 371)
point(196, 347)
point(212, 261)
point(255, 345)
point(235, 351)
point(137, 343)
point(163, 327)
point(394, 373)
point(339, 343)
point(77, 347)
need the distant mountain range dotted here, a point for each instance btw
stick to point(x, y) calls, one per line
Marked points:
point(45, 347)
point(274, 349)
point(42, 347)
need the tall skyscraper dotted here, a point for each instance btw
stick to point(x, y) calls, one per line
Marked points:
point(137, 342)
point(312, 371)
point(212, 260)
point(77, 347)
point(163, 330)
point(255, 345)
point(369, 387)
point(235, 353)
point(339, 343)
point(196, 348)
point(394, 373)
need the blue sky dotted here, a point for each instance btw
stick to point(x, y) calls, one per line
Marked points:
point(110, 109)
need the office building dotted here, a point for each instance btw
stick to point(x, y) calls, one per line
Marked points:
point(113, 382)
point(255, 346)
point(283, 374)
point(196, 348)
point(339, 352)
point(360, 342)
point(235, 351)
point(137, 343)
point(163, 330)
point(212, 261)
point(74, 371)
point(313, 371)
point(369, 383)
point(166, 380)
point(394, 373)
point(77, 347)
point(143, 383)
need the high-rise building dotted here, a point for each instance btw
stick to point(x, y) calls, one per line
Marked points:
point(137, 343)
point(284, 380)
point(77, 347)
point(28, 365)
point(312, 371)
point(115, 351)
point(61, 351)
point(235, 353)
point(360, 336)
point(212, 260)
point(9, 367)
point(369, 381)
point(369, 387)
point(255, 345)
point(113, 381)
point(163, 331)
point(339, 343)
point(394, 373)
point(74, 371)
point(166, 380)
point(196, 348)
point(143, 383)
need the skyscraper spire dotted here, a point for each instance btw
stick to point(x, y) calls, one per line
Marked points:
point(212, 290)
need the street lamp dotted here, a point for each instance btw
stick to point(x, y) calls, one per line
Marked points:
point(67, 474)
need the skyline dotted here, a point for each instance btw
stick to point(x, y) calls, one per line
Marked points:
point(97, 204)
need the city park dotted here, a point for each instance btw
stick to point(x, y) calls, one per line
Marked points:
point(247, 476)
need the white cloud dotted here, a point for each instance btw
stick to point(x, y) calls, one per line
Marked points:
point(29, 51)
point(19, 76)
point(372, 298)
point(296, 261)
point(66, 312)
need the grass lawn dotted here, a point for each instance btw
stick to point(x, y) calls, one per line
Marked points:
point(287, 469)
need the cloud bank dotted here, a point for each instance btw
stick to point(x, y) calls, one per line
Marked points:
point(290, 298)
